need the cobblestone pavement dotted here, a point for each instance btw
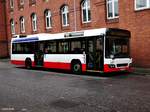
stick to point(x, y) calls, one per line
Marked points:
point(35, 90)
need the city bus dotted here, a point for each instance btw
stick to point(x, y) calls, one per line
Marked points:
point(94, 50)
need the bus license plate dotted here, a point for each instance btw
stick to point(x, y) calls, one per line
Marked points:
point(122, 69)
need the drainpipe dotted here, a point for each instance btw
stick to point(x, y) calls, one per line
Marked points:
point(75, 17)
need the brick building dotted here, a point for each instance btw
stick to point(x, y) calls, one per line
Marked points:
point(3, 31)
point(53, 16)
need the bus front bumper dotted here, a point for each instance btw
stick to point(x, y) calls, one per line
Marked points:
point(108, 69)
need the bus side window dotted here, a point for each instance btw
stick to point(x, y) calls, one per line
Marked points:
point(74, 46)
point(63, 47)
point(14, 48)
point(50, 47)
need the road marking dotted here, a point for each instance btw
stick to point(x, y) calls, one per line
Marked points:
point(12, 109)
point(7, 109)
point(24, 109)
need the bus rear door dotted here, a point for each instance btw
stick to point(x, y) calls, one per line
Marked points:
point(39, 54)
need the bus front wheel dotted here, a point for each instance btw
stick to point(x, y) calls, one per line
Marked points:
point(76, 67)
point(28, 63)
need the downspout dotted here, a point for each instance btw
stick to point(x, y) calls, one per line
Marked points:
point(75, 17)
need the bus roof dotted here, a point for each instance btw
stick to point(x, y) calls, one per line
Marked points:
point(66, 35)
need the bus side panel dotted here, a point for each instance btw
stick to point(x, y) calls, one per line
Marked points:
point(84, 67)
point(65, 66)
point(18, 62)
point(63, 61)
point(57, 65)
point(19, 59)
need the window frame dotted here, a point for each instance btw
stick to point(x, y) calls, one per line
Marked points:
point(11, 3)
point(48, 16)
point(32, 2)
point(87, 8)
point(141, 8)
point(34, 22)
point(21, 2)
point(113, 9)
point(12, 26)
point(22, 24)
point(65, 15)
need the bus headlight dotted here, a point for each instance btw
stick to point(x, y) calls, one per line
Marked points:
point(130, 64)
point(111, 66)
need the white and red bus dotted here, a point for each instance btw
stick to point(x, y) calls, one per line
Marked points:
point(96, 50)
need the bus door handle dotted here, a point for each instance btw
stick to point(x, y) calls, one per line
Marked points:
point(44, 55)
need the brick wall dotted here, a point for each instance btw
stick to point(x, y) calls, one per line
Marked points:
point(138, 22)
point(3, 35)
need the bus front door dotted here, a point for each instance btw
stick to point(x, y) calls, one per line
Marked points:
point(94, 54)
point(39, 54)
point(90, 55)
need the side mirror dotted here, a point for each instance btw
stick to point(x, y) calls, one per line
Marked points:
point(112, 57)
point(83, 52)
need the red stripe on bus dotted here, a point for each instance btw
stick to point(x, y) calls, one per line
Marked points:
point(55, 65)
point(58, 65)
point(83, 67)
point(20, 62)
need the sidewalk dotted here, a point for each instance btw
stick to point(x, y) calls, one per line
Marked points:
point(4, 59)
point(141, 71)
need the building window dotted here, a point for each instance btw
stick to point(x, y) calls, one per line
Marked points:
point(11, 3)
point(12, 26)
point(46, 0)
point(22, 25)
point(48, 19)
point(86, 13)
point(65, 15)
point(112, 9)
point(142, 4)
point(32, 2)
point(21, 2)
point(34, 22)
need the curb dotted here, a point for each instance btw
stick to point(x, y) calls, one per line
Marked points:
point(5, 60)
point(141, 71)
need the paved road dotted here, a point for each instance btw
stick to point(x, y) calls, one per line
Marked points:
point(24, 90)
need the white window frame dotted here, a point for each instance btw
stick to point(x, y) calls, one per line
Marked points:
point(113, 8)
point(34, 22)
point(12, 26)
point(142, 8)
point(65, 15)
point(11, 4)
point(22, 25)
point(48, 19)
point(85, 5)
point(21, 2)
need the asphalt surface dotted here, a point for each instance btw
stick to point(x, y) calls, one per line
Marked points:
point(35, 90)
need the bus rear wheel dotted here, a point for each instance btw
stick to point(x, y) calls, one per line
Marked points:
point(28, 63)
point(76, 67)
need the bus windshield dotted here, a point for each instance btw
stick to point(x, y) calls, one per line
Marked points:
point(117, 47)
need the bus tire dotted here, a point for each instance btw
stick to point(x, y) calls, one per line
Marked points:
point(28, 63)
point(76, 67)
